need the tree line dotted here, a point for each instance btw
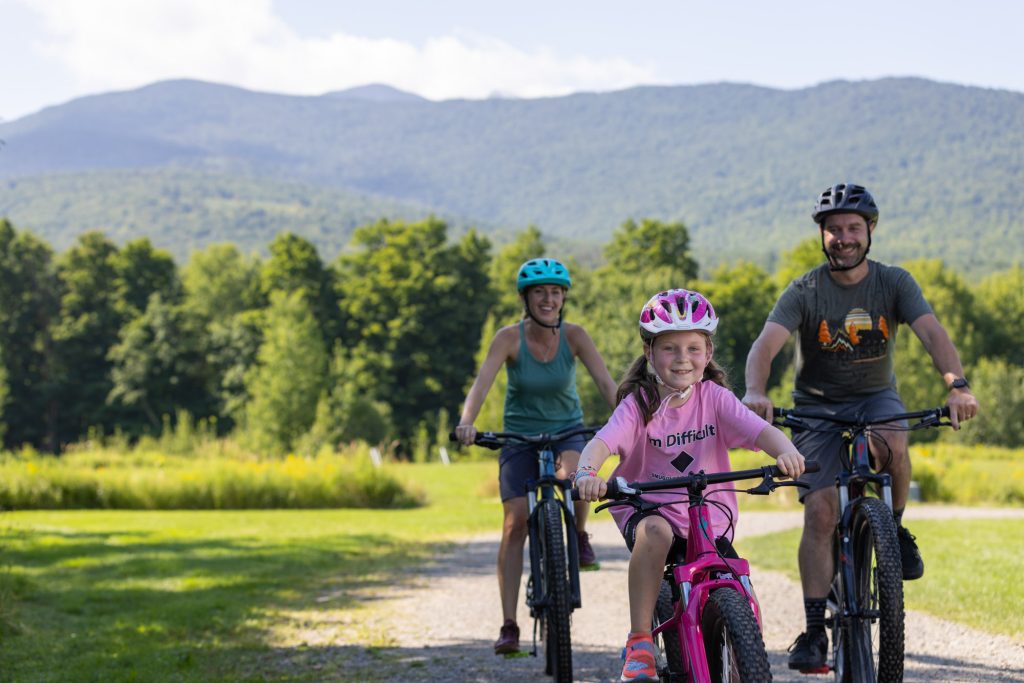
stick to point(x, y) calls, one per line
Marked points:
point(289, 353)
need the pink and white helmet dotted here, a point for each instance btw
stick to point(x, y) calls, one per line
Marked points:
point(677, 310)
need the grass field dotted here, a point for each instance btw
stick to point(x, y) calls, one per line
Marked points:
point(971, 569)
point(232, 595)
point(212, 595)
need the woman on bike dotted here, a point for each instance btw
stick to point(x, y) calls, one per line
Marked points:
point(539, 354)
point(675, 416)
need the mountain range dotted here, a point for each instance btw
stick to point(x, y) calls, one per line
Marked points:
point(188, 163)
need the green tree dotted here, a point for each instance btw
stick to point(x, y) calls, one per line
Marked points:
point(919, 383)
point(141, 272)
point(28, 307)
point(1000, 299)
point(742, 295)
point(3, 396)
point(999, 386)
point(798, 260)
point(420, 302)
point(289, 377)
point(159, 368)
point(295, 266)
point(652, 244)
point(220, 283)
point(90, 319)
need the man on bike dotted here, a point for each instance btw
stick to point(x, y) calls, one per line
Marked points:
point(846, 313)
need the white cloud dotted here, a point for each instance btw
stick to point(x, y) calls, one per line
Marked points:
point(115, 44)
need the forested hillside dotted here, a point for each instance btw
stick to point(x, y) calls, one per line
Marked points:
point(740, 164)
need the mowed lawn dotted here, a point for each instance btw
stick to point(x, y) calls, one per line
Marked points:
point(971, 570)
point(213, 596)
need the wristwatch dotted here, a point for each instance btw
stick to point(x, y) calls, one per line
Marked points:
point(959, 383)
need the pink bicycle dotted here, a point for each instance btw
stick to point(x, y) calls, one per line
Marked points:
point(707, 620)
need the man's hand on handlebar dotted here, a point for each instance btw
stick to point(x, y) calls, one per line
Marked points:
point(759, 403)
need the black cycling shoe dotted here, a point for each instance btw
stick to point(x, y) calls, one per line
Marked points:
point(808, 653)
point(910, 556)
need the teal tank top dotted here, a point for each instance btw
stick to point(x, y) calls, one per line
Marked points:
point(541, 397)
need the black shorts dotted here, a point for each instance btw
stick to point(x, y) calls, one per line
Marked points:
point(677, 551)
point(826, 447)
point(517, 463)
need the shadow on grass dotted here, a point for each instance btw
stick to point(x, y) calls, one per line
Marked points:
point(137, 605)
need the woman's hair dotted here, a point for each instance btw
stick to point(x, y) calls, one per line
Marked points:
point(642, 384)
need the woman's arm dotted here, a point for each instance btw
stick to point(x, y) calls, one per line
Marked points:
point(583, 346)
point(499, 351)
point(590, 485)
point(772, 441)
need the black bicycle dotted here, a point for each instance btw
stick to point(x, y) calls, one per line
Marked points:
point(865, 605)
point(553, 588)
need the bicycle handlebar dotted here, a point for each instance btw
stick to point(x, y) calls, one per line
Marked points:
point(495, 440)
point(792, 418)
point(618, 489)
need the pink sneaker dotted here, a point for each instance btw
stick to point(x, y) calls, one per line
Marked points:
point(641, 660)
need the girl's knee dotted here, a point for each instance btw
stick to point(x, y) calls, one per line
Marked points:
point(654, 531)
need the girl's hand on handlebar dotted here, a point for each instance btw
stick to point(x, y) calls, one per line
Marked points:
point(791, 464)
point(466, 434)
point(591, 488)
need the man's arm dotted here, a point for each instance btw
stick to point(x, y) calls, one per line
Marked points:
point(759, 367)
point(962, 403)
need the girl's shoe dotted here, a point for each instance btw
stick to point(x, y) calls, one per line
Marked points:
point(641, 659)
point(508, 639)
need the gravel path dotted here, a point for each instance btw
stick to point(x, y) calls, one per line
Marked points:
point(441, 628)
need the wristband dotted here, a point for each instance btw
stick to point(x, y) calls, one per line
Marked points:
point(584, 472)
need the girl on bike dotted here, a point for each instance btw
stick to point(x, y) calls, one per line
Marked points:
point(675, 415)
point(539, 354)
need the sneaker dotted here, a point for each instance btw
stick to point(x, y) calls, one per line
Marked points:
point(588, 560)
point(641, 659)
point(910, 556)
point(808, 652)
point(508, 639)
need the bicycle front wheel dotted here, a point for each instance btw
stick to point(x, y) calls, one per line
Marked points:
point(557, 611)
point(874, 632)
point(732, 639)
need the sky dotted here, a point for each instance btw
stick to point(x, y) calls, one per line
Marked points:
point(52, 51)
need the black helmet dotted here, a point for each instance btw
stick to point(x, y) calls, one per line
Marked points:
point(845, 198)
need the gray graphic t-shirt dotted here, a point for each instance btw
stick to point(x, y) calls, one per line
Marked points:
point(847, 334)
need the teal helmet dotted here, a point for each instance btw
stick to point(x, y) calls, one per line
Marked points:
point(542, 271)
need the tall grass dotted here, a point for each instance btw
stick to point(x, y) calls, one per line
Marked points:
point(218, 476)
point(951, 473)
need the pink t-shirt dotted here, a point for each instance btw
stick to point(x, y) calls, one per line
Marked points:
point(679, 441)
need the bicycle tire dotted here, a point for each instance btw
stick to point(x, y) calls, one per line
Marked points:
point(732, 639)
point(557, 611)
point(876, 646)
point(668, 640)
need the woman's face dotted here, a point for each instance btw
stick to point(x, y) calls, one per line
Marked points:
point(679, 358)
point(545, 302)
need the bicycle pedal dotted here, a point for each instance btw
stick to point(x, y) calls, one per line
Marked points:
point(821, 670)
point(516, 655)
point(590, 567)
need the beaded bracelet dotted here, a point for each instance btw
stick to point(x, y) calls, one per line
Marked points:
point(584, 472)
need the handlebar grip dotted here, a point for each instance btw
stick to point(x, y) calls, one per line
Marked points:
point(452, 437)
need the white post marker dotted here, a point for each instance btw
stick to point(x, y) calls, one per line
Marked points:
point(444, 456)
point(375, 456)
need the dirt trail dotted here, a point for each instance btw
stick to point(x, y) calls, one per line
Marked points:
point(441, 628)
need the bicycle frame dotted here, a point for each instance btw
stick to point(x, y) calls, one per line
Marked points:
point(695, 579)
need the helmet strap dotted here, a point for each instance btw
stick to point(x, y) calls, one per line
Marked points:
point(832, 265)
point(530, 315)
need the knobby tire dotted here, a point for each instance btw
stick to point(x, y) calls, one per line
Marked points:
point(668, 641)
point(876, 646)
point(557, 613)
point(732, 639)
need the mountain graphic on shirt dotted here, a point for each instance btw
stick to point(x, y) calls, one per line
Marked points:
point(857, 339)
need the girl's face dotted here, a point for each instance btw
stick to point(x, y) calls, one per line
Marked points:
point(679, 358)
point(545, 302)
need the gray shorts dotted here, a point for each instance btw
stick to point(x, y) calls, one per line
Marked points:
point(518, 463)
point(826, 447)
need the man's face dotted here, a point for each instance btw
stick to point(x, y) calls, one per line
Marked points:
point(845, 238)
